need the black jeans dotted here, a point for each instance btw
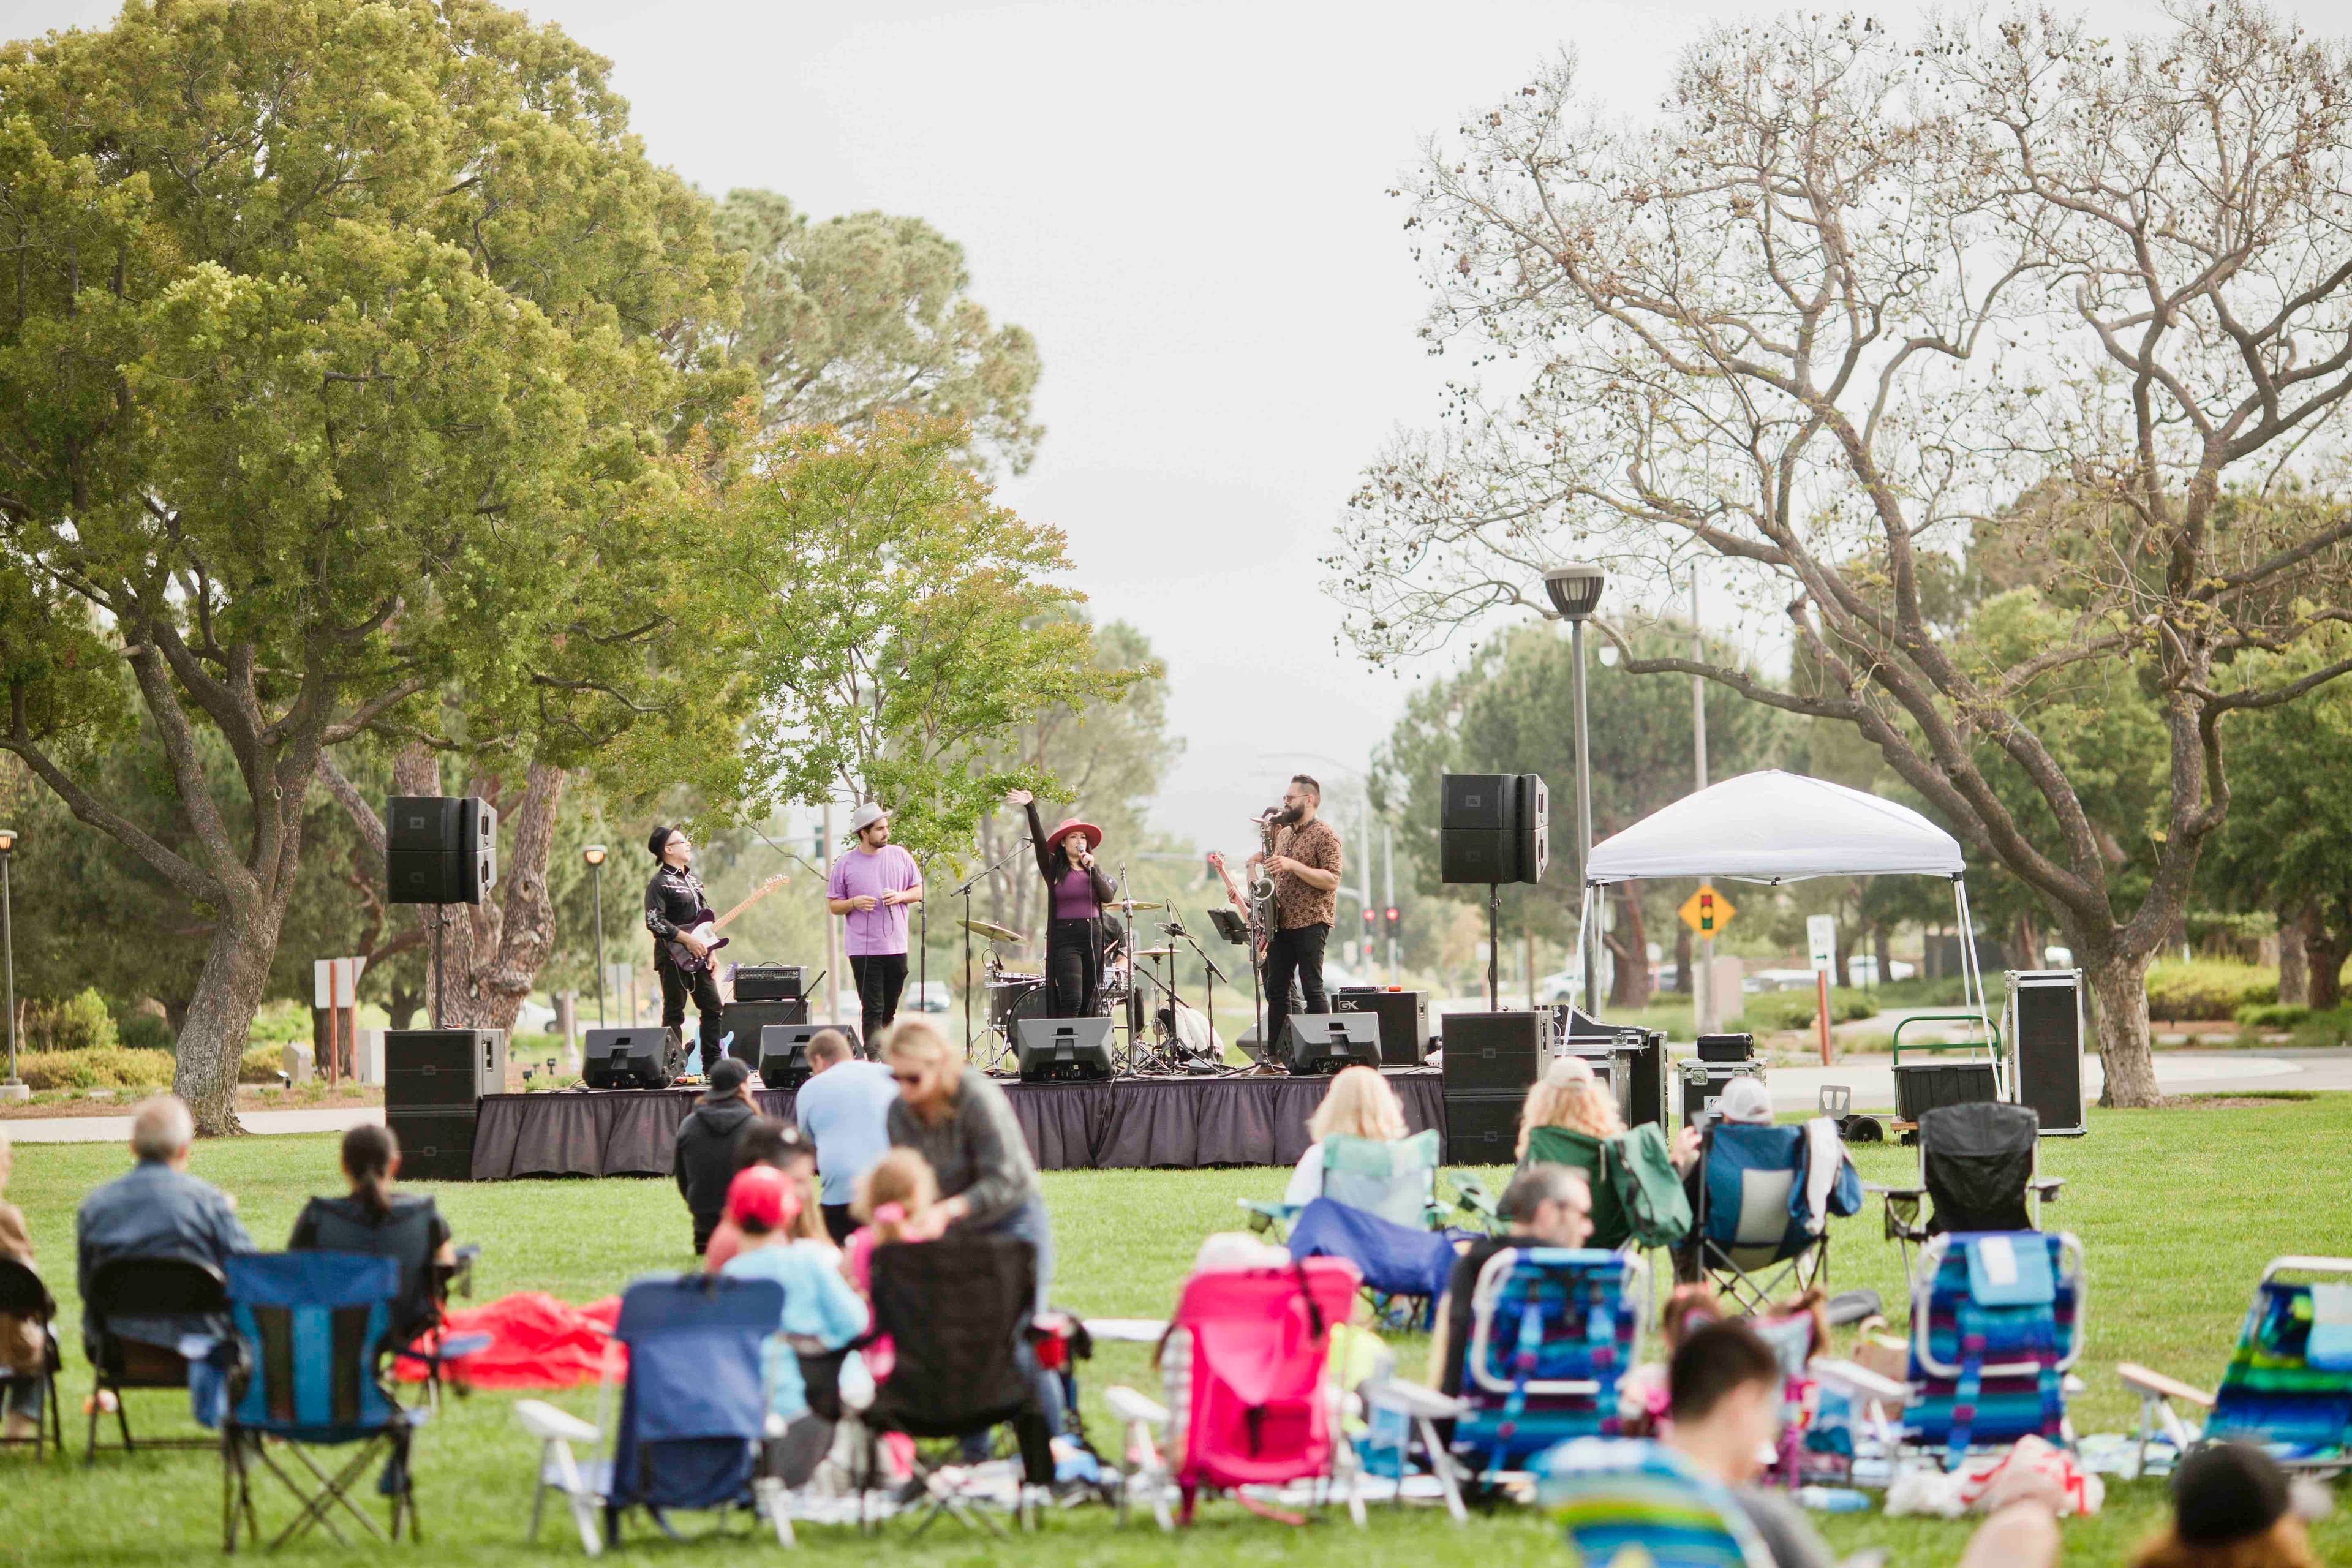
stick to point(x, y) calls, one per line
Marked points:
point(1073, 966)
point(704, 986)
point(1297, 951)
point(881, 977)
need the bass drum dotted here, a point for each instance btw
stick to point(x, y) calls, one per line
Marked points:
point(1012, 997)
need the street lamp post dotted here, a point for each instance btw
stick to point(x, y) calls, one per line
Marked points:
point(594, 855)
point(1575, 593)
point(14, 1087)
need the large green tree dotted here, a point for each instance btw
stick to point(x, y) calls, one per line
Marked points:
point(1837, 304)
point(331, 329)
point(847, 319)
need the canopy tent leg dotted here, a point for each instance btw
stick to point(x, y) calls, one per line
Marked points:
point(1585, 950)
point(1972, 978)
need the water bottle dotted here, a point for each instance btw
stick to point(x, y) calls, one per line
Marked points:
point(1834, 1499)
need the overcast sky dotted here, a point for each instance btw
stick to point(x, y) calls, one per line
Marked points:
point(1186, 203)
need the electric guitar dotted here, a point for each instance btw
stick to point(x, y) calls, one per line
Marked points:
point(707, 927)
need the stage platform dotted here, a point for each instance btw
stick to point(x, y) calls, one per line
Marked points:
point(1129, 1123)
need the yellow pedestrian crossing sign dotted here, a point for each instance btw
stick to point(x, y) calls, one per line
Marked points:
point(1707, 911)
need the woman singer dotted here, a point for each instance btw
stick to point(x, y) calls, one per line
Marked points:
point(1076, 892)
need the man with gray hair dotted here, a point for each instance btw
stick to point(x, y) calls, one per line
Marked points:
point(1545, 1206)
point(156, 1210)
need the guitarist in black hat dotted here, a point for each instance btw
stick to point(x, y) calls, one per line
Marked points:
point(675, 904)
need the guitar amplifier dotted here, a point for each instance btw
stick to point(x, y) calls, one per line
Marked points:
point(745, 1019)
point(770, 983)
point(1405, 1020)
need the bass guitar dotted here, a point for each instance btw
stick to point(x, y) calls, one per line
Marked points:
point(706, 928)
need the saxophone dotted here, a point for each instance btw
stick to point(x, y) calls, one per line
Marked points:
point(1261, 887)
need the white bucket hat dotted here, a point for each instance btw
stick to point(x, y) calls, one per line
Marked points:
point(865, 816)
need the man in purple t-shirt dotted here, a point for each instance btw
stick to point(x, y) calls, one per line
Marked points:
point(873, 885)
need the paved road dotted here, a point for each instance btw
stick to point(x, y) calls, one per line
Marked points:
point(1872, 1078)
point(117, 1129)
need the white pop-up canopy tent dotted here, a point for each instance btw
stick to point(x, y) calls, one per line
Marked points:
point(1775, 827)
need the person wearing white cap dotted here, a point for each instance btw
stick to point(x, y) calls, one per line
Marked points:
point(872, 886)
point(1746, 1100)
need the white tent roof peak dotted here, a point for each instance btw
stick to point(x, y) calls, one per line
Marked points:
point(1773, 826)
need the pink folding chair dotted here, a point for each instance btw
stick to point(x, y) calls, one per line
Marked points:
point(1254, 1404)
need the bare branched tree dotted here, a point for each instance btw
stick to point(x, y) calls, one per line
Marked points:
point(1852, 312)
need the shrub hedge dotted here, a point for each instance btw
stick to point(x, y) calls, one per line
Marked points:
point(2208, 988)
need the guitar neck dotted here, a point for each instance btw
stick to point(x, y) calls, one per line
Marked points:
point(757, 894)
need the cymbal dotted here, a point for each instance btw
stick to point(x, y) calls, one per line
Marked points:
point(1155, 952)
point(1133, 904)
point(990, 930)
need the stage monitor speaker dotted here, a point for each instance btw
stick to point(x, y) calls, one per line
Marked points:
point(783, 1050)
point(770, 981)
point(442, 1069)
point(1494, 1050)
point(1316, 1043)
point(1063, 1047)
point(635, 1058)
point(434, 1145)
point(1493, 828)
point(439, 849)
point(1482, 1127)
point(2045, 1047)
point(1404, 1015)
point(744, 1022)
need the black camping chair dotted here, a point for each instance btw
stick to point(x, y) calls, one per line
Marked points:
point(958, 1372)
point(127, 1288)
point(1977, 1171)
point(426, 1282)
point(23, 1295)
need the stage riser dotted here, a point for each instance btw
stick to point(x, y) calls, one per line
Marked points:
point(1126, 1124)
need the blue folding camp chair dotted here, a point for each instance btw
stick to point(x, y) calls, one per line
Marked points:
point(1623, 1501)
point(1552, 1332)
point(311, 1330)
point(2288, 1385)
point(1996, 1325)
point(1400, 1265)
point(1753, 1234)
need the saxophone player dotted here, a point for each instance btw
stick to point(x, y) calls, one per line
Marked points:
point(1304, 862)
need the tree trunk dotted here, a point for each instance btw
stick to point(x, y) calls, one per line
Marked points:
point(2119, 987)
point(2325, 948)
point(1878, 945)
point(220, 1014)
point(2295, 963)
point(1630, 945)
point(1685, 957)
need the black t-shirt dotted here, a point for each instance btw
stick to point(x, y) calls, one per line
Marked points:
point(1461, 1288)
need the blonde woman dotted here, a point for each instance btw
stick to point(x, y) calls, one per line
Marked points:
point(1569, 1095)
point(1359, 1104)
point(963, 1127)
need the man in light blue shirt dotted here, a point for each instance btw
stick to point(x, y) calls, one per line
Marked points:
point(157, 1210)
point(844, 1109)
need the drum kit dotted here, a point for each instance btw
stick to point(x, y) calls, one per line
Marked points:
point(1122, 992)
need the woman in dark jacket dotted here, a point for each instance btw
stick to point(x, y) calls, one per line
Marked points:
point(1076, 892)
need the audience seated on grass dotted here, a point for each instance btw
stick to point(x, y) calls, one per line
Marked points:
point(960, 1123)
point(1762, 1199)
point(1637, 1196)
point(845, 1111)
point(27, 1345)
point(157, 1210)
point(1569, 1097)
point(1361, 1155)
point(1545, 1206)
point(2233, 1507)
point(704, 1159)
point(767, 1142)
point(374, 1220)
point(821, 1312)
point(1725, 1408)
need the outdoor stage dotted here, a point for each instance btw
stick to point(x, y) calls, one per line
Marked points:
point(1129, 1123)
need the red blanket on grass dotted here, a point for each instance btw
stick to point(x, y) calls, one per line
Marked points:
point(535, 1341)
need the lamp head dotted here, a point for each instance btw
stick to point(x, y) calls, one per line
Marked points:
point(1574, 590)
point(594, 854)
point(8, 841)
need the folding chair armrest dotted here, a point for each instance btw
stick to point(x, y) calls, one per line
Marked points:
point(549, 1425)
point(1900, 1207)
point(2046, 1188)
point(1853, 1379)
point(2150, 1384)
point(1128, 1405)
point(1265, 1215)
point(1410, 1399)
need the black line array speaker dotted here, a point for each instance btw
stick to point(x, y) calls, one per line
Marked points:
point(442, 1069)
point(1482, 1127)
point(434, 1145)
point(1316, 1043)
point(439, 848)
point(634, 1058)
point(1063, 1047)
point(2045, 1047)
point(1493, 828)
point(748, 1021)
point(782, 1050)
point(1404, 1015)
point(1493, 1051)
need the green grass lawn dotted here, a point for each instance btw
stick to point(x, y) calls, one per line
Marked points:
point(2179, 1210)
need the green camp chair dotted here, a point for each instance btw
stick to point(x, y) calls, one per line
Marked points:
point(1636, 1196)
point(1397, 1181)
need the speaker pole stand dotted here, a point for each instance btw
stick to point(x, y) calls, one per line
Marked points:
point(440, 975)
point(1494, 947)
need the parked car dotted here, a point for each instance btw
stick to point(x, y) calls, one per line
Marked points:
point(928, 996)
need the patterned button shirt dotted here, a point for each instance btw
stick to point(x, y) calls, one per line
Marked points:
point(1296, 904)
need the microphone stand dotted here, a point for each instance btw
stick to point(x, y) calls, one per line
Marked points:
point(965, 893)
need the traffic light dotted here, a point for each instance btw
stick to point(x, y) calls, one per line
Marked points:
point(1393, 920)
point(1368, 915)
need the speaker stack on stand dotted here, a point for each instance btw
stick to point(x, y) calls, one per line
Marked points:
point(439, 850)
point(1491, 1060)
point(1492, 828)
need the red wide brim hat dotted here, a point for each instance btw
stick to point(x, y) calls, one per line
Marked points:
point(1094, 833)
